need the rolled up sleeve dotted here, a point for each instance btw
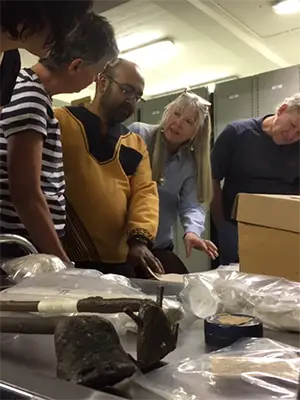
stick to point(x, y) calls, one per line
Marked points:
point(191, 213)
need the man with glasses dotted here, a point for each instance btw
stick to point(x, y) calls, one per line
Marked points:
point(112, 202)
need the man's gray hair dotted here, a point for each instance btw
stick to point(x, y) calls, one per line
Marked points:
point(92, 40)
point(292, 102)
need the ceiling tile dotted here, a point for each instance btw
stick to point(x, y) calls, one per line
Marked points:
point(258, 16)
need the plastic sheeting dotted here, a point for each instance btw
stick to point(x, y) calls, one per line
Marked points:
point(275, 301)
point(249, 369)
point(78, 284)
point(37, 353)
point(21, 268)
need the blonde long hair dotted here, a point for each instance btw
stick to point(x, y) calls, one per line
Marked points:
point(198, 146)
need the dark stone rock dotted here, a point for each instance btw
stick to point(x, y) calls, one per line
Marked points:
point(89, 352)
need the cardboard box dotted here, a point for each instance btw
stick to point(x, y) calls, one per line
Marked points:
point(269, 234)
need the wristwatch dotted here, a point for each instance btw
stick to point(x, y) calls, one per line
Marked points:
point(140, 239)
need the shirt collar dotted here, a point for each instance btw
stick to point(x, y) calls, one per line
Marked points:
point(114, 130)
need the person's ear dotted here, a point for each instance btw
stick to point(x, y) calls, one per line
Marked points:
point(75, 65)
point(102, 83)
point(282, 109)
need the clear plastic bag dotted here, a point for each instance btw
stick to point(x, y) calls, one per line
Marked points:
point(249, 369)
point(275, 301)
point(78, 284)
point(24, 267)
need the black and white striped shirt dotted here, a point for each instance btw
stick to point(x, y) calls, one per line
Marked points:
point(31, 109)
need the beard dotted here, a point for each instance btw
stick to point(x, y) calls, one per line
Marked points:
point(115, 113)
point(121, 113)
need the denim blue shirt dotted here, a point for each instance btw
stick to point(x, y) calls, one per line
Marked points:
point(177, 193)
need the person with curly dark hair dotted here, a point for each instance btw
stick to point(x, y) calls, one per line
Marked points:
point(36, 26)
point(39, 25)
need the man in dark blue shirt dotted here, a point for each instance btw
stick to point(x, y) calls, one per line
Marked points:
point(257, 155)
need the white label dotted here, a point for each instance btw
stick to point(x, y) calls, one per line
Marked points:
point(276, 87)
point(58, 306)
point(234, 96)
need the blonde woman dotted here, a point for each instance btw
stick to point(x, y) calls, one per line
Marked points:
point(179, 149)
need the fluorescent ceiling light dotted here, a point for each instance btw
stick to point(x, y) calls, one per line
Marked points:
point(151, 55)
point(192, 79)
point(129, 42)
point(287, 7)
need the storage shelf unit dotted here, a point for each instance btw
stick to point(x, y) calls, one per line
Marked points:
point(253, 96)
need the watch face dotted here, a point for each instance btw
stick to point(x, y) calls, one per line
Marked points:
point(141, 240)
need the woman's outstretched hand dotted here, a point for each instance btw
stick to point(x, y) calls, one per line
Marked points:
point(192, 241)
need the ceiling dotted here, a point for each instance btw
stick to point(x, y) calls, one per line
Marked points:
point(214, 39)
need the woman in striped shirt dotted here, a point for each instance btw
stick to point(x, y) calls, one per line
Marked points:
point(32, 184)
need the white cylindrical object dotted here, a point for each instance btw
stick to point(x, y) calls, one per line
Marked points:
point(58, 306)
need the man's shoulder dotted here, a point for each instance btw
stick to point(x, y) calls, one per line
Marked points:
point(245, 125)
point(61, 112)
point(133, 139)
point(68, 121)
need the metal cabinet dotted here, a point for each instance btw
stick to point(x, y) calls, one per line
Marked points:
point(152, 110)
point(202, 92)
point(233, 100)
point(274, 86)
point(135, 116)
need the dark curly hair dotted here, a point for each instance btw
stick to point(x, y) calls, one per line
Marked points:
point(22, 19)
point(92, 40)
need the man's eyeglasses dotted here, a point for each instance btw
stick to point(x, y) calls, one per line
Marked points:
point(127, 90)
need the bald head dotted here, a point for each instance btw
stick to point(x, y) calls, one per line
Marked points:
point(121, 65)
point(119, 88)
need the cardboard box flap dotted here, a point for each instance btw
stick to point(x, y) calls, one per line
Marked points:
point(272, 211)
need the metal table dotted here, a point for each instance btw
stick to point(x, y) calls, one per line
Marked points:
point(20, 383)
point(35, 354)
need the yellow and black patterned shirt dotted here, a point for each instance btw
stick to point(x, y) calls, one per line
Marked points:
point(109, 188)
